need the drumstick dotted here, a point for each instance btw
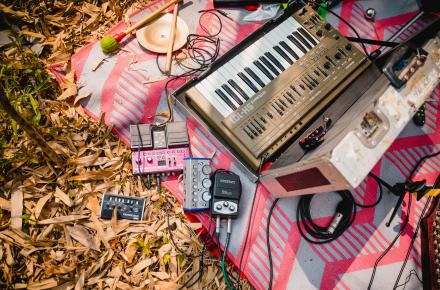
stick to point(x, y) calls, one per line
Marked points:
point(172, 39)
point(110, 43)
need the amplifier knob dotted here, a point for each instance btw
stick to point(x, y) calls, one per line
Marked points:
point(348, 46)
point(327, 26)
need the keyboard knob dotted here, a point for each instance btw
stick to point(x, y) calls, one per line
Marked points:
point(327, 65)
point(338, 55)
point(319, 33)
point(348, 47)
point(327, 26)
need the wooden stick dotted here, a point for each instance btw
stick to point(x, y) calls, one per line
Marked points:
point(151, 16)
point(172, 39)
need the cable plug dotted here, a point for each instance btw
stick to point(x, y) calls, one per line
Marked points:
point(343, 209)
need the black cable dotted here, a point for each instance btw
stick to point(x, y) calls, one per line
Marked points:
point(202, 254)
point(269, 253)
point(203, 50)
point(349, 25)
point(412, 242)
point(249, 223)
point(318, 234)
point(405, 222)
point(408, 278)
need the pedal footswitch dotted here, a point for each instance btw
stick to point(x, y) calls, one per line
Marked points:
point(127, 207)
point(226, 193)
point(197, 183)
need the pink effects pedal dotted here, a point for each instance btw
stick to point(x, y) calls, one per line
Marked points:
point(158, 161)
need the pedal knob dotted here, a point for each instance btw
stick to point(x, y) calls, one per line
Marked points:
point(206, 196)
point(225, 203)
point(206, 169)
point(206, 183)
point(149, 159)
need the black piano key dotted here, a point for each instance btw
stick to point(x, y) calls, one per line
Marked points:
point(255, 77)
point(314, 80)
point(247, 81)
point(263, 69)
point(302, 39)
point(269, 114)
point(278, 110)
point(290, 95)
point(283, 54)
point(289, 50)
point(297, 43)
point(269, 65)
point(232, 94)
point(302, 87)
point(238, 89)
point(274, 60)
point(307, 35)
point(263, 119)
point(226, 99)
point(323, 72)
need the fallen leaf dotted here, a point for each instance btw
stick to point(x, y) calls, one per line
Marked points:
point(81, 235)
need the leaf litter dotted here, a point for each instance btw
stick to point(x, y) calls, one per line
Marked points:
point(50, 231)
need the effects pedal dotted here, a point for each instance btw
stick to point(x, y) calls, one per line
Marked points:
point(127, 207)
point(159, 151)
point(197, 184)
point(226, 193)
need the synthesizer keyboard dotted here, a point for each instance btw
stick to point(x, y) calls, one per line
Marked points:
point(264, 92)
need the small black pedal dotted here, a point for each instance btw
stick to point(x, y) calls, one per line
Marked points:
point(127, 207)
point(226, 193)
point(419, 117)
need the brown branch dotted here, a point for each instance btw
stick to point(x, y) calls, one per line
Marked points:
point(30, 130)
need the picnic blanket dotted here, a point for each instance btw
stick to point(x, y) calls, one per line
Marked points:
point(122, 89)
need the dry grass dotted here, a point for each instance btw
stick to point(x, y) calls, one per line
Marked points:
point(50, 233)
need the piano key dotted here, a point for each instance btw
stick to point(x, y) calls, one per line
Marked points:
point(221, 75)
point(225, 99)
point(214, 81)
point(289, 50)
point(230, 71)
point(307, 35)
point(255, 77)
point(269, 43)
point(297, 44)
point(250, 64)
point(269, 65)
point(287, 33)
point(302, 39)
point(248, 81)
point(283, 54)
point(238, 89)
point(232, 94)
point(274, 60)
point(263, 69)
point(223, 109)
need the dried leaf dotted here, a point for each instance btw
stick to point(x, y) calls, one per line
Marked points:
point(80, 234)
point(5, 204)
point(62, 219)
point(16, 208)
point(44, 284)
point(63, 197)
point(142, 265)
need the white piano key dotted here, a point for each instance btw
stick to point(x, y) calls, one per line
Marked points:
point(213, 99)
point(217, 81)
